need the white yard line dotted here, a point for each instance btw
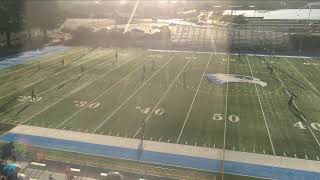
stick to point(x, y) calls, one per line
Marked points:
point(262, 110)
point(193, 100)
point(40, 80)
point(163, 96)
point(54, 87)
point(103, 93)
point(133, 94)
point(225, 122)
point(78, 89)
point(314, 88)
point(297, 107)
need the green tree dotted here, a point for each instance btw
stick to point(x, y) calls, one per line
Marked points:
point(11, 17)
point(45, 16)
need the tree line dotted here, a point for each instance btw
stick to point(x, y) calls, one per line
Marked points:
point(21, 15)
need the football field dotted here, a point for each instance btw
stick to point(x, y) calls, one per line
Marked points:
point(198, 99)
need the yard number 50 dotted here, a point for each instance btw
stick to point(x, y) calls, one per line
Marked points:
point(231, 118)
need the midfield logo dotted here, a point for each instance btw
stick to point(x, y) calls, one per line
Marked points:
point(233, 78)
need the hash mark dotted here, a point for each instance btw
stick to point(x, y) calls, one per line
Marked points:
point(284, 154)
point(317, 158)
point(306, 156)
point(295, 155)
point(186, 142)
point(214, 146)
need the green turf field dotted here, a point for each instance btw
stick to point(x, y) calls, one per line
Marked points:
point(94, 93)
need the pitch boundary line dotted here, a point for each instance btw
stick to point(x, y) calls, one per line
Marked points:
point(38, 81)
point(162, 97)
point(193, 100)
point(50, 67)
point(222, 53)
point(104, 92)
point(294, 103)
point(303, 77)
point(133, 94)
point(262, 110)
point(78, 89)
point(63, 82)
point(42, 61)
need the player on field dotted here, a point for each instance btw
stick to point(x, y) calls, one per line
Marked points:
point(270, 67)
point(33, 95)
point(39, 67)
point(153, 65)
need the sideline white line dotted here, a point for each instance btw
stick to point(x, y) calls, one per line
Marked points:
point(193, 100)
point(40, 80)
point(163, 96)
point(103, 93)
point(80, 88)
point(262, 110)
point(303, 76)
point(208, 52)
point(297, 107)
point(63, 82)
point(133, 94)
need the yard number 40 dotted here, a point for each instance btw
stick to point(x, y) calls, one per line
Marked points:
point(300, 125)
point(231, 118)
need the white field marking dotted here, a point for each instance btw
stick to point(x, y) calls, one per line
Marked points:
point(214, 146)
point(225, 121)
point(132, 95)
point(54, 87)
point(103, 93)
point(163, 95)
point(103, 174)
point(262, 110)
point(254, 150)
point(193, 100)
point(303, 76)
point(40, 80)
point(151, 138)
point(284, 154)
point(38, 164)
point(297, 107)
point(264, 151)
point(186, 142)
point(195, 144)
point(306, 156)
point(317, 158)
point(204, 145)
point(312, 64)
point(168, 140)
point(41, 62)
point(76, 90)
point(295, 155)
point(160, 139)
point(221, 53)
